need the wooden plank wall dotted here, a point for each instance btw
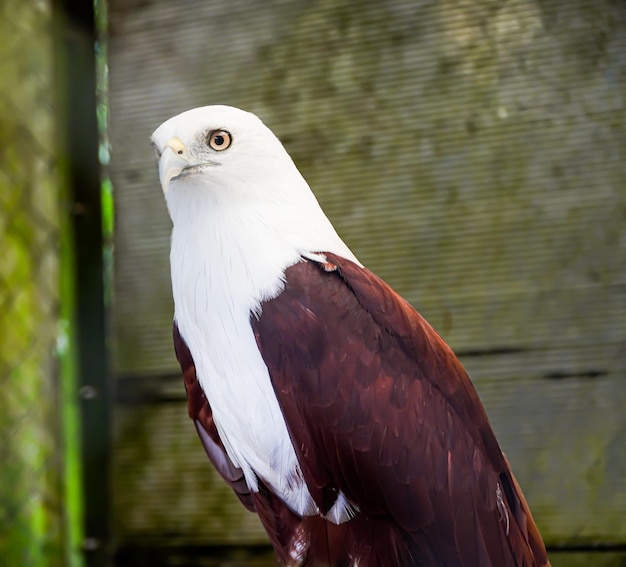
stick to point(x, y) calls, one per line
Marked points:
point(472, 154)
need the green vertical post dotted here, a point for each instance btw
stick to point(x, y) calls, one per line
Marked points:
point(77, 90)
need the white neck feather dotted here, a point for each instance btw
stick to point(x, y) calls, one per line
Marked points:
point(229, 255)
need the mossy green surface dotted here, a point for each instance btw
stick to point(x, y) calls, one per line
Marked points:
point(32, 517)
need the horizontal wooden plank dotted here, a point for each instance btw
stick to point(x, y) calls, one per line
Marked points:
point(156, 554)
point(587, 361)
point(565, 441)
point(587, 559)
point(164, 483)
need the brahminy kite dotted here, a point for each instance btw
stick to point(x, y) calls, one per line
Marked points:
point(328, 404)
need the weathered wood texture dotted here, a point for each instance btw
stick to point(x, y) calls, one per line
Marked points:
point(154, 556)
point(471, 153)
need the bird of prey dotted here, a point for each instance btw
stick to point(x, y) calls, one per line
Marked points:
point(327, 403)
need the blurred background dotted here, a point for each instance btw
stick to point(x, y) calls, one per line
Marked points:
point(472, 153)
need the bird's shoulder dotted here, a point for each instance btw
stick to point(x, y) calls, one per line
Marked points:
point(348, 331)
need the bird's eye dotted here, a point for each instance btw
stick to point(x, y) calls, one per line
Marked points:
point(219, 140)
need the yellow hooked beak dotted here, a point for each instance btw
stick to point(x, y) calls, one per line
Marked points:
point(175, 163)
point(172, 162)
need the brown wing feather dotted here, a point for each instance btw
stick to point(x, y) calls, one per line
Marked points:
point(378, 407)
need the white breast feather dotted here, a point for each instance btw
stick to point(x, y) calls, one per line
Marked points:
point(223, 267)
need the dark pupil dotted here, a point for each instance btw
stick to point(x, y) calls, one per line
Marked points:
point(218, 140)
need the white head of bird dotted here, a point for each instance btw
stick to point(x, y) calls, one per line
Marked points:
point(220, 161)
